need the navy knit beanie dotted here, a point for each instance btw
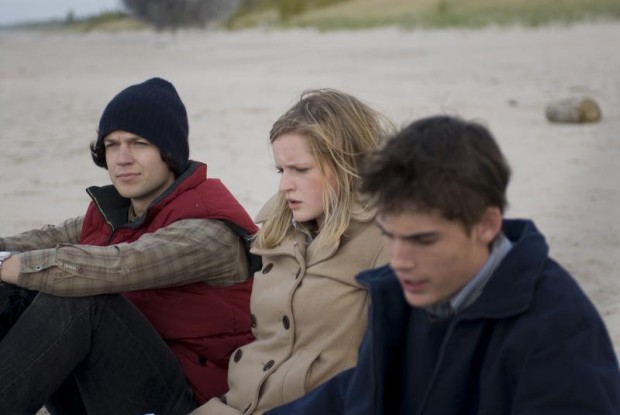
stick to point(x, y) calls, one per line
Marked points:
point(152, 110)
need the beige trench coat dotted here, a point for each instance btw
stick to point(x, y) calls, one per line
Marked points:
point(308, 316)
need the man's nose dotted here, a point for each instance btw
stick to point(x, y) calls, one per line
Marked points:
point(401, 255)
point(125, 155)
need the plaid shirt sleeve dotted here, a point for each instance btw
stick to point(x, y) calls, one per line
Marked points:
point(49, 236)
point(184, 252)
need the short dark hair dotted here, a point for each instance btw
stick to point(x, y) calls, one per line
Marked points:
point(440, 163)
point(97, 151)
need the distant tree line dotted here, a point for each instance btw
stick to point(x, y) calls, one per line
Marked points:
point(175, 14)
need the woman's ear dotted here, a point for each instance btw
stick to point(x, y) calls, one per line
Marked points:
point(490, 225)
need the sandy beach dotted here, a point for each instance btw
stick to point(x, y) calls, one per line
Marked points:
point(53, 87)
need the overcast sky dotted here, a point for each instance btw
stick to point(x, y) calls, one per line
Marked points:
point(15, 11)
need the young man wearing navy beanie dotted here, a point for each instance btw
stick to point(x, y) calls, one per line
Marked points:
point(136, 306)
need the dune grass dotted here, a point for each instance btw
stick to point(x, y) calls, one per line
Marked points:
point(362, 14)
point(365, 14)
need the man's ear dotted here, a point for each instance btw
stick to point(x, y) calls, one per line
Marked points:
point(489, 225)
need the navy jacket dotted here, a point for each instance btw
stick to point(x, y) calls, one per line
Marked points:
point(531, 344)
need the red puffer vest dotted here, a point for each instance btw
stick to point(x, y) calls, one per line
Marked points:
point(201, 324)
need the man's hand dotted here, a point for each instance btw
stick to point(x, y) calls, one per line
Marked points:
point(10, 269)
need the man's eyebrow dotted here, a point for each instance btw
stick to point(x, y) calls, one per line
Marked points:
point(413, 236)
point(420, 236)
point(130, 139)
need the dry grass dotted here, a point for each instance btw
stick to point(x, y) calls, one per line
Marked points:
point(408, 14)
point(451, 13)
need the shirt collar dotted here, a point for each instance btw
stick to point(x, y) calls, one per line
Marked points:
point(474, 287)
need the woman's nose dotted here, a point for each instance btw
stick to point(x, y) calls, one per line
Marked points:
point(286, 183)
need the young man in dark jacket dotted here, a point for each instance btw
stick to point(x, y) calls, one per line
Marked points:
point(471, 316)
point(166, 237)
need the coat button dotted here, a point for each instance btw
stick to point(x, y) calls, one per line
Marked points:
point(298, 273)
point(268, 366)
point(253, 319)
point(202, 361)
point(237, 355)
point(285, 322)
point(267, 268)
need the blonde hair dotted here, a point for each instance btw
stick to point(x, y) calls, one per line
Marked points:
point(340, 131)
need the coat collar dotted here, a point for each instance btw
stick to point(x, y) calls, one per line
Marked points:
point(296, 240)
point(517, 274)
point(115, 207)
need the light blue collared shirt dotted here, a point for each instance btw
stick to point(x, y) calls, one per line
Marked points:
point(474, 287)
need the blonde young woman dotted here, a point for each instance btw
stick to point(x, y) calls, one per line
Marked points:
point(308, 311)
